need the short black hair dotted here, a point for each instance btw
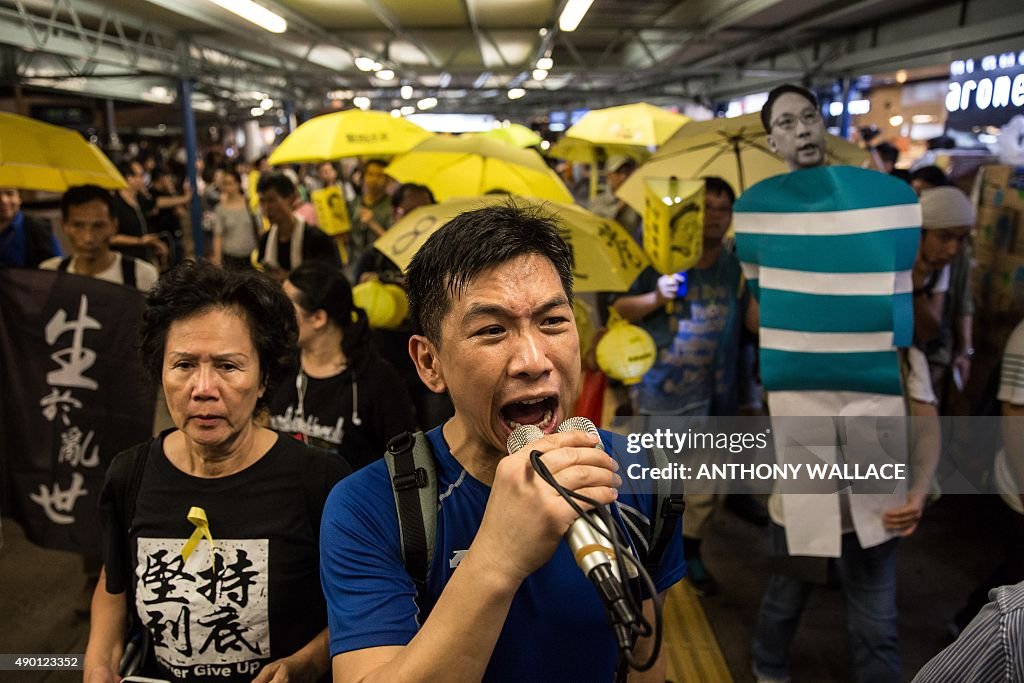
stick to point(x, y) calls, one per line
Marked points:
point(776, 93)
point(191, 289)
point(933, 175)
point(278, 182)
point(83, 194)
point(887, 152)
point(715, 185)
point(322, 285)
point(411, 188)
point(472, 242)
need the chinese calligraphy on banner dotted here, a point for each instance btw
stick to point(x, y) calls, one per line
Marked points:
point(74, 397)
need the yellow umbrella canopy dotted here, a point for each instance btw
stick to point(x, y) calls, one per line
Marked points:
point(349, 133)
point(607, 258)
point(630, 124)
point(585, 152)
point(474, 165)
point(39, 156)
point(733, 149)
point(515, 134)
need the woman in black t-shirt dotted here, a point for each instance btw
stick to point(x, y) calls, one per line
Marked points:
point(344, 397)
point(211, 530)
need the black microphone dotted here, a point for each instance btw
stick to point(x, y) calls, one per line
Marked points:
point(592, 551)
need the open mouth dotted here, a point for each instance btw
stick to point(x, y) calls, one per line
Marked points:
point(538, 411)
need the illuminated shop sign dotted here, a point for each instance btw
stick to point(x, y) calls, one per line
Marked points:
point(985, 92)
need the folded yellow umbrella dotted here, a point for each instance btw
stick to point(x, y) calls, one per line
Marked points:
point(607, 258)
point(515, 134)
point(349, 133)
point(734, 149)
point(39, 156)
point(473, 165)
point(630, 124)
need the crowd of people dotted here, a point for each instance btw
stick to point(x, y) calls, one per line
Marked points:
point(284, 401)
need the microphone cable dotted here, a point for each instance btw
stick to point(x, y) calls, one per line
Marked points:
point(625, 609)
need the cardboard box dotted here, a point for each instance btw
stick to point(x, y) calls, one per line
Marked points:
point(1000, 198)
point(1003, 177)
point(996, 229)
point(1007, 286)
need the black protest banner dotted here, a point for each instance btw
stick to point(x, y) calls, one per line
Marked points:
point(74, 397)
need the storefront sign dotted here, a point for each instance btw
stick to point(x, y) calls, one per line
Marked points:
point(985, 92)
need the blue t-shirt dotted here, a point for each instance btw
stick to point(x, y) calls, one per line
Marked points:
point(556, 628)
point(698, 342)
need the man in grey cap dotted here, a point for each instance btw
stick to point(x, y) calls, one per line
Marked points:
point(618, 168)
point(947, 217)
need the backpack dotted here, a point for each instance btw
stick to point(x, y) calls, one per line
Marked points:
point(413, 474)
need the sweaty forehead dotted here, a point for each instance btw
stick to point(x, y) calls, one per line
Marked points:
point(790, 103)
point(519, 286)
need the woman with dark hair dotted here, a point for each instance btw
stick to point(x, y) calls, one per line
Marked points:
point(235, 231)
point(211, 529)
point(344, 396)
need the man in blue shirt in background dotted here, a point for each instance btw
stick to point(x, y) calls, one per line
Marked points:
point(25, 242)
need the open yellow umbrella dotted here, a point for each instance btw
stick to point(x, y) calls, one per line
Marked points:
point(474, 165)
point(607, 258)
point(39, 156)
point(734, 149)
point(515, 134)
point(585, 152)
point(630, 124)
point(349, 133)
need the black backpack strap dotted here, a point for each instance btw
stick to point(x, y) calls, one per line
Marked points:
point(667, 511)
point(413, 475)
point(64, 264)
point(128, 270)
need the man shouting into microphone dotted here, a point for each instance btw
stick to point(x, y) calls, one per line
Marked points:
point(490, 296)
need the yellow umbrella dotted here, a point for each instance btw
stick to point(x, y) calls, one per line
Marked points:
point(349, 133)
point(515, 134)
point(630, 124)
point(734, 149)
point(474, 165)
point(38, 156)
point(585, 152)
point(607, 258)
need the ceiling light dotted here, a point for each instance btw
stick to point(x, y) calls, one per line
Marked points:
point(539, 74)
point(361, 102)
point(427, 103)
point(545, 63)
point(365, 63)
point(386, 75)
point(256, 111)
point(922, 118)
point(444, 80)
point(516, 93)
point(257, 14)
point(544, 144)
point(406, 92)
point(901, 76)
point(543, 32)
point(266, 103)
point(396, 113)
point(895, 120)
point(408, 109)
point(573, 14)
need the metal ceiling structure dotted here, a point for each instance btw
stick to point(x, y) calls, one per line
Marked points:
point(469, 53)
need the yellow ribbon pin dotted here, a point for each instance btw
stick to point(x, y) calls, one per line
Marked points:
point(197, 516)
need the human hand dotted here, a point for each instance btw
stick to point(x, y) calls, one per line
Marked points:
point(962, 363)
point(525, 517)
point(287, 670)
point(365, 215)
point(101, 674)
point(668, 287)
point(903, 520)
